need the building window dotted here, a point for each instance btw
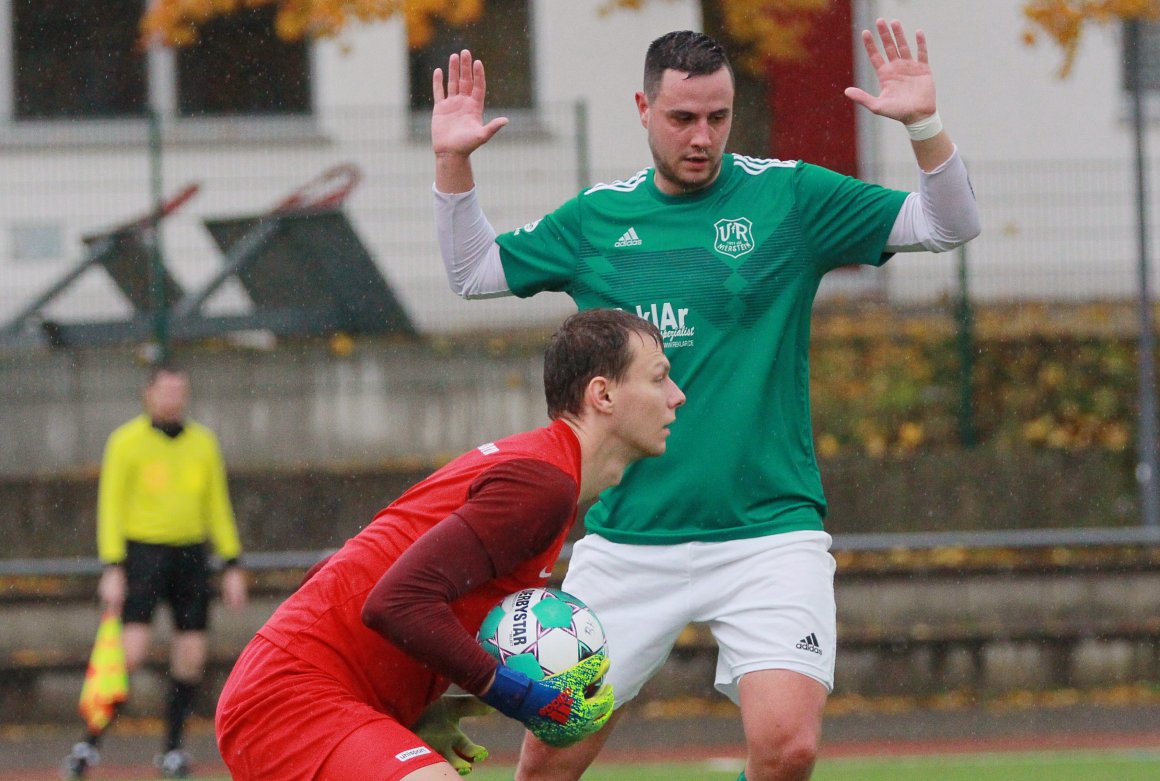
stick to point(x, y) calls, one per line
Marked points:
point(502, 38)
point(77, 59)
point(239, 66)
point(82, 59)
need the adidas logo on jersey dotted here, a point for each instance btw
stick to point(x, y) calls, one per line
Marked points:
point(488, 448)
point(809, 643)
point(629, 239)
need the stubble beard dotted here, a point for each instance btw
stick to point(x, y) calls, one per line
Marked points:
point(684, 184)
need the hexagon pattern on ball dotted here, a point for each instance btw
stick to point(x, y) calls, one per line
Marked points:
point(541, 632)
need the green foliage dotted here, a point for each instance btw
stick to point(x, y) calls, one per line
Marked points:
point(895, 388)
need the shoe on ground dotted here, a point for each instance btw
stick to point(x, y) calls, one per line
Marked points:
point(82, 757)
point(173, 764)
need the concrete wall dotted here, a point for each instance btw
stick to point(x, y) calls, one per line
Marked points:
point(297, 407)
point(316, 441)
point(999, 606)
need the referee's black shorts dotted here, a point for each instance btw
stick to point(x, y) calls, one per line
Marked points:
point(178, 575)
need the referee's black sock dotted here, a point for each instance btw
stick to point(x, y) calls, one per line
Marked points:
point(178, 708)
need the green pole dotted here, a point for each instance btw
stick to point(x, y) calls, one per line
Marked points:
point(966, 343)
point(583, 164)
point(1147, 447)
point(156, 264)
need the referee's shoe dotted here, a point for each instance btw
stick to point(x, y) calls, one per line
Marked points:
point(173, 764)
point(80, 759)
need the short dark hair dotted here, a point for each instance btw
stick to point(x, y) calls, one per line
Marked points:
point(592, 343)
point(157, 370)
point(682, 50)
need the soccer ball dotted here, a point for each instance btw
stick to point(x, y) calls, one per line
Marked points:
point(541, 632)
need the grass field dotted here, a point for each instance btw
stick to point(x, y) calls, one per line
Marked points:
point(1057, 766)
point(1132, 765)
point(1112, 765)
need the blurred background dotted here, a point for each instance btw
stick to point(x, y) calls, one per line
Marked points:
point(258, 209)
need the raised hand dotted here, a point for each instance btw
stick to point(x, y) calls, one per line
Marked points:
point(457, 126)
point(905, 81)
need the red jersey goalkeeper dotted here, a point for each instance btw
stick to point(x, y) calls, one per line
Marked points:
point(331, 685)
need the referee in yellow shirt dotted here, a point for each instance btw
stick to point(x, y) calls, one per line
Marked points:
point(162, 497)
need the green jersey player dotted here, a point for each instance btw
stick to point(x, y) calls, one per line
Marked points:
point(724, 253)
point(728, 274)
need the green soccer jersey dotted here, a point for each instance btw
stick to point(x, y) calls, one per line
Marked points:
point(729, 275)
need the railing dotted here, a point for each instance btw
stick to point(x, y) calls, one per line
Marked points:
point(1016, 539)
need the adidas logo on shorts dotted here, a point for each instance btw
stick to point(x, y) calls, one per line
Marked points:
point(809, 643)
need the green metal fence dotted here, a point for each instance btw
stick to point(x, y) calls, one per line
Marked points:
point(1049, 287)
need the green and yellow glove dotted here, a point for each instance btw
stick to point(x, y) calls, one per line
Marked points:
point(555, 709)
point(438, 726)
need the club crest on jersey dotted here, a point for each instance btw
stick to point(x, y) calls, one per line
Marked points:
point(733, 237)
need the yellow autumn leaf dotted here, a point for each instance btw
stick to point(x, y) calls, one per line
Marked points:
point(1039, 429)
point(828, 445)
point(875, 445)
point(1063, 20)
point(175, 22)
point(910, 436)
point(1115, 437)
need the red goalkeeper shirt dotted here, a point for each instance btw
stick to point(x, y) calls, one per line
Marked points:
point(429, 567)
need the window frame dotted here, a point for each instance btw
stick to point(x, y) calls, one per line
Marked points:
point(526, 121)
point(161, 97)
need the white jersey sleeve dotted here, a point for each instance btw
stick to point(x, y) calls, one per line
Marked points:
point(467, 245)
point(943, 213)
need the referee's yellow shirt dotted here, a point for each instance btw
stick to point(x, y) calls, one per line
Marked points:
point(163, 490)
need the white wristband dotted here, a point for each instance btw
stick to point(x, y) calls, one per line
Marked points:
point(925, 128)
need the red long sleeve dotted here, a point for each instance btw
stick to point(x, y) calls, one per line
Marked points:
point(514, 511)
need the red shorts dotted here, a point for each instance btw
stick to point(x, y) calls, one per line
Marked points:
point(281, 718)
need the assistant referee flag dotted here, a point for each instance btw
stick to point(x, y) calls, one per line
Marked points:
point(106, 680)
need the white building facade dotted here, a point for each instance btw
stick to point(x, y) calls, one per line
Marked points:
point(1052, 159)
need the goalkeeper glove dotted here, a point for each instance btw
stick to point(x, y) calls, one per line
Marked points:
point(555, 709)
point(438, 726)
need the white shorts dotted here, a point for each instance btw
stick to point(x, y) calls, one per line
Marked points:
point(768, 601)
